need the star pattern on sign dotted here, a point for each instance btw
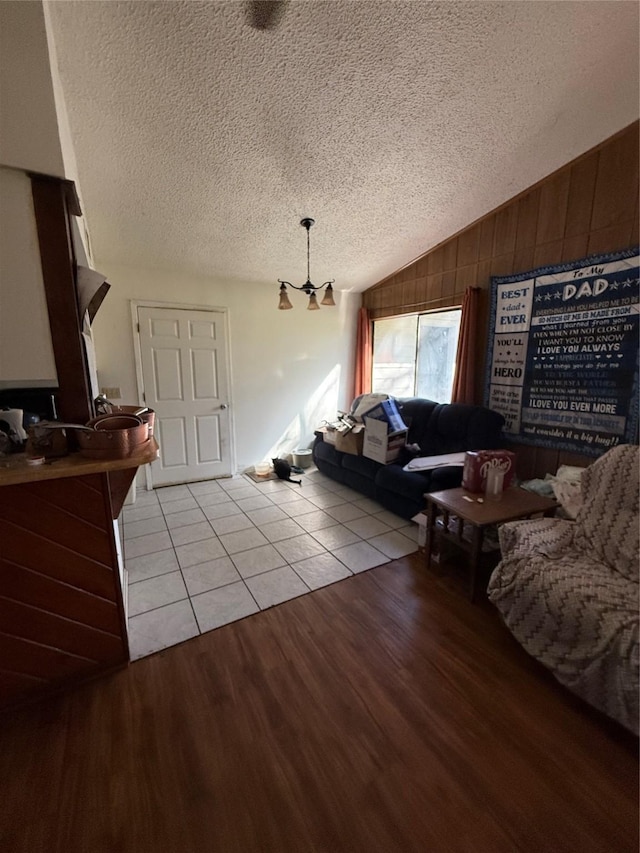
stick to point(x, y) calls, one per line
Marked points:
point(557, 295)
point(547, 297)
point(628, 282)
point(614, 285)
point(538, 298)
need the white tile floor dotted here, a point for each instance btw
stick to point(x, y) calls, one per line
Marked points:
point(203, 555)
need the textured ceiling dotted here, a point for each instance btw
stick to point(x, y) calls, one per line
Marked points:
point(201, 142)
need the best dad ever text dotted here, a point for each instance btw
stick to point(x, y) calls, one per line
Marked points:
point(570, 291)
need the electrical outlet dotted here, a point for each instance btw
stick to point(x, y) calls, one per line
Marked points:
point(112, 393)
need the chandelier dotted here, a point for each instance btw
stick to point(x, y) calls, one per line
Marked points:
point(307, 287)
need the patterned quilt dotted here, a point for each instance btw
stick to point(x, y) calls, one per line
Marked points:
point(569, 590)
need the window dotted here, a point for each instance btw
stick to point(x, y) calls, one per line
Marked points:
point(415, 355)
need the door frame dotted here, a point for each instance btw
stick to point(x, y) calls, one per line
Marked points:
point(180, 306)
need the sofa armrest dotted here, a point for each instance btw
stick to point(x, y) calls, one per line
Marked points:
point(549, 536)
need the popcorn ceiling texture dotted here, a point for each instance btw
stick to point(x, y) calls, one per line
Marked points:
point(201, 142)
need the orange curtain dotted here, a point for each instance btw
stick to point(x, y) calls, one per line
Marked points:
point(364, 354)
point(464, 378)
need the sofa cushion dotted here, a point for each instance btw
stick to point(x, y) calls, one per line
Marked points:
point(328, 460)
point(409, 484)
point(456, 426)
point(416, 413)
point(414, 484)
point(447, 477)
point(360, 465)
point(327, 453)
point(358, 473)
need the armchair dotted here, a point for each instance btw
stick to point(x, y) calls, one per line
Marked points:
point(568, 590)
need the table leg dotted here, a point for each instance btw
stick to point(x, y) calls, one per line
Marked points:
point(431, 520)
point(474, 559)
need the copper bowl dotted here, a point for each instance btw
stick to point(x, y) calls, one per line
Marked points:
point(113, 437)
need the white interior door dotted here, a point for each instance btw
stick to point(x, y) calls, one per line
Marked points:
point(185, 376)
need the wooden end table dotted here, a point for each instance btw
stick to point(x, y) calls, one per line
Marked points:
point(480, 512)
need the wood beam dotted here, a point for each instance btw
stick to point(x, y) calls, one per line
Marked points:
point(50, 200)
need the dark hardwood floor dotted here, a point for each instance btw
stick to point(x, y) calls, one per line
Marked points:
point(384, 713)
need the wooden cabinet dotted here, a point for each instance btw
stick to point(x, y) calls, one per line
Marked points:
point(62, 613)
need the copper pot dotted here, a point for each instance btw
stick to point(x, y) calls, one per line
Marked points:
point(113, 437)
point(147, 415)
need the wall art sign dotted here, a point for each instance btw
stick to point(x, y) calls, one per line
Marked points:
point(562, 365)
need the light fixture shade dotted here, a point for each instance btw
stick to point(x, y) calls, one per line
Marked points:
point(313, 303)
point(328, 296)
point(284, 303)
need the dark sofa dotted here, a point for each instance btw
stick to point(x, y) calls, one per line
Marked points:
point(436, 428)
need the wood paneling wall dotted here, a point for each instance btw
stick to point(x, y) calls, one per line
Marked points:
point(61, 612)
point(586, 207)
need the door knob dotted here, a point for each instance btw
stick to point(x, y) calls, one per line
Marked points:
point(223, 405)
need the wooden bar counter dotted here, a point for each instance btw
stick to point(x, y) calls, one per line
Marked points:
point(62, 608)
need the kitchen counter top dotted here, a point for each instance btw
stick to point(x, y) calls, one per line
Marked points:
point(14, 469)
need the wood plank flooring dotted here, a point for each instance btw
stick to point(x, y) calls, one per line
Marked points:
point(383, 713)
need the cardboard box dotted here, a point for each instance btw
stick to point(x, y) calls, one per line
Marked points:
point(350, 441)
point(478, 462)
point(387, 412)
point(379, 444)
point(328, 435)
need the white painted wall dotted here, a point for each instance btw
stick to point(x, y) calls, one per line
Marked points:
point(26, 352)
point(289, 369)
point(29, 136)
point(28, 140)
point(80, 225)
point(64, 131)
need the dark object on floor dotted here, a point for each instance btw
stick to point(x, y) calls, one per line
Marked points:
point(295, 469)
point(282, 470)
point(435, 428)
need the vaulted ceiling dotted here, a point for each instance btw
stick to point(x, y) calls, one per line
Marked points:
point(201, 142)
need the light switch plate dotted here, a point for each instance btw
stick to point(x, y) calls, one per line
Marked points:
point(111, 393)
